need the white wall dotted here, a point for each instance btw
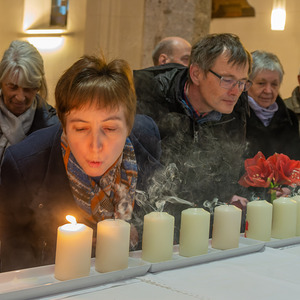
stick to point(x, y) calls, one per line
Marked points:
point(256, 34)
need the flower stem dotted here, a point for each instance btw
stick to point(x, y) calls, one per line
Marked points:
point(273, 195)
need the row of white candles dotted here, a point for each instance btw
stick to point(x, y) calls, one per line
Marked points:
point(280, 220)
point(158, 232)
point(263, 221)
point(74, 241)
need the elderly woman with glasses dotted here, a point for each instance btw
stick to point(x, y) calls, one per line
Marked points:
point(271, 126)
point(23, 107)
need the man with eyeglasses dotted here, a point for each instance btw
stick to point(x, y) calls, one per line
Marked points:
point(201, 114)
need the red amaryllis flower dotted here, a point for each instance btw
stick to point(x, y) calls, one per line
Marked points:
point(286, 171)
point(259, 172)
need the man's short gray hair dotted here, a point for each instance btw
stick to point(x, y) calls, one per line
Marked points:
point(208, 49)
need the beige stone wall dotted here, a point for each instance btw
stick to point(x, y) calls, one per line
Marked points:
point(130, 29)
point(188, 19)
point(10, 30)
point(115, 27)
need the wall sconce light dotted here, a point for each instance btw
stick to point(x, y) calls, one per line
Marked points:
point(46, 40)
point(45, 24)
point(278, 15)
point(47, 44)
point(47, 31)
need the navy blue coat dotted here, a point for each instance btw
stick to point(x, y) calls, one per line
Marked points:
point(35, 195)
point(45, 116)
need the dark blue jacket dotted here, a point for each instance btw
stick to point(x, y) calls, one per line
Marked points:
point(45, 116)
point(35, 195)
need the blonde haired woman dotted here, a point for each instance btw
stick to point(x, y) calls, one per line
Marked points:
point(23, 106)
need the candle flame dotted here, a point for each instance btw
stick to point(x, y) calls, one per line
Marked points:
point(71, 219)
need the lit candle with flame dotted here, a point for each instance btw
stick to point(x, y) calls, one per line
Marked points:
point(73, 250)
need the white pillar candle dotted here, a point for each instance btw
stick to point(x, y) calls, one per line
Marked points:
point(73, 250)
point(194, 232)
point(259, 220)
point(297, 199)
point(158, 236)
point(112, 246)
point(284, 218)
point(226, 227)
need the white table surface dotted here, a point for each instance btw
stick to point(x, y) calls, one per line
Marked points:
point(269, 274)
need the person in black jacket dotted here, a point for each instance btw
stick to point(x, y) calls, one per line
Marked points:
point(271, 126)
point(23, 94)
point(201, 114)
point(293, 102)
point(90, 166)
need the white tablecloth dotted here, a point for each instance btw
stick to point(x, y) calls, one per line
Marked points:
point(270, 274)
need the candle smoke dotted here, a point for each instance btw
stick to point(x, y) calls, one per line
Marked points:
point(203, 174)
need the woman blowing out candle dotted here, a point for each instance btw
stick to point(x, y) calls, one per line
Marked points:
point(88, 166)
